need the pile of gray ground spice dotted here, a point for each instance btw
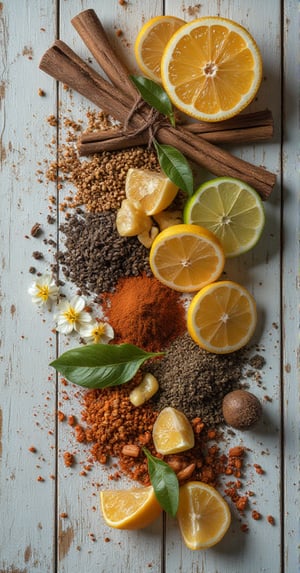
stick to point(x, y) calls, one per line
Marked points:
point(95, 256)
point(194, 380)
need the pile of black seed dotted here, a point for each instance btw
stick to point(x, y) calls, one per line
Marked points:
point(95, 256)
point(195, 381)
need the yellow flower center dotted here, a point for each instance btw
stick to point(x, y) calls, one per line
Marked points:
point(98, 332)
point(43, 292)
point(71, 315)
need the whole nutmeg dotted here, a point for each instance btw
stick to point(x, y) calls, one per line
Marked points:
point(241, 409)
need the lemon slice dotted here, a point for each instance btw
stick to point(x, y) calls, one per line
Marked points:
point(172, 432)
point(151, 191)
point(222, 317)
point(186, 257)
point(129, 509)
point(231, 209)
point(203, 515)
point(151, 41)
point(211, 68)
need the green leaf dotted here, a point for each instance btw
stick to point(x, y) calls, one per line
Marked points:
point(101, 365)
point(155, 96)
point(164, 482)
point(175, 166)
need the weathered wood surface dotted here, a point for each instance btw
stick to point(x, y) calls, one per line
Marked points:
point(33, 536)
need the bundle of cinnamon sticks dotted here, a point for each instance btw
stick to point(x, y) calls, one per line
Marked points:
point(138, 121)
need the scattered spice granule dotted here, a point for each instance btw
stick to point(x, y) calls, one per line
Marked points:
point(270, 519)
point(36, 230)
point(40, 478)
point(244, 528)
point(52, 120)
point(256, 515)
point(257, 361)
point(71, 420)
point(268, 398)
point(107, 539)
point(32, 270)
point(60, 416)
point(37, 255)
point(63, 515)
point(258, 469)
point(119, 33)
point(41, 92)
point(68, 459)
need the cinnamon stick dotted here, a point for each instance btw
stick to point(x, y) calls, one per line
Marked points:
point(218, 161)
point(245, 128)
point(60, 62)
point(90, 28)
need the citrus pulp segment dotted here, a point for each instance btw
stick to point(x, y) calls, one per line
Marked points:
point(151, 41)
point(211, 68)
point(172, 432)
point(203, 515)
point(129, 509)
point(222, 317)
point(152, 191)
point(186, 257)
point(231, 209)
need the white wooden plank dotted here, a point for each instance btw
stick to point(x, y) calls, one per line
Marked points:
point(27, 398)
point(260, 272)
point(134, 551)
point(291, 285)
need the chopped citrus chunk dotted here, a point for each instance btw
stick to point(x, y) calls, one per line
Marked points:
point(222, 317)
point(130, 220)
point(186, 257)
point(231, 209)
point(211, 68)
point(129, 509)
point(172, 432)
point(203, 515)
point(151, 41)
point(151, 191)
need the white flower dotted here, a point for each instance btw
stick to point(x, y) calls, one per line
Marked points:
point(97, 332)
point(71, 316)
point(44, 291)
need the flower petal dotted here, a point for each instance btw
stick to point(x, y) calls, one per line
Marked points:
point(78, 303)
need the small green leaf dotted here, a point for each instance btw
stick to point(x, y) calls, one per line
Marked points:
point(175, 166)
point(164, 482)
point(101, 365)
point(155, 96)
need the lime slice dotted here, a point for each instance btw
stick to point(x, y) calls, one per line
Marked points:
point(230, 209)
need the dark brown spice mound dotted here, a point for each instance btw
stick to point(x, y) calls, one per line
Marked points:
point(194, 380)
point(95, 255)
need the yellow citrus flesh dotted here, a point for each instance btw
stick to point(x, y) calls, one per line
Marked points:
point(152, 191)
point(211, 68)
point(130, 220)
point(203, 515)
point(172, 432)
point(151, 41)
point(186, 257)
point(129, 509)
point(231, 209)
point(222, 317)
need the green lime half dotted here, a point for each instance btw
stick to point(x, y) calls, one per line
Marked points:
point(229, 208)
